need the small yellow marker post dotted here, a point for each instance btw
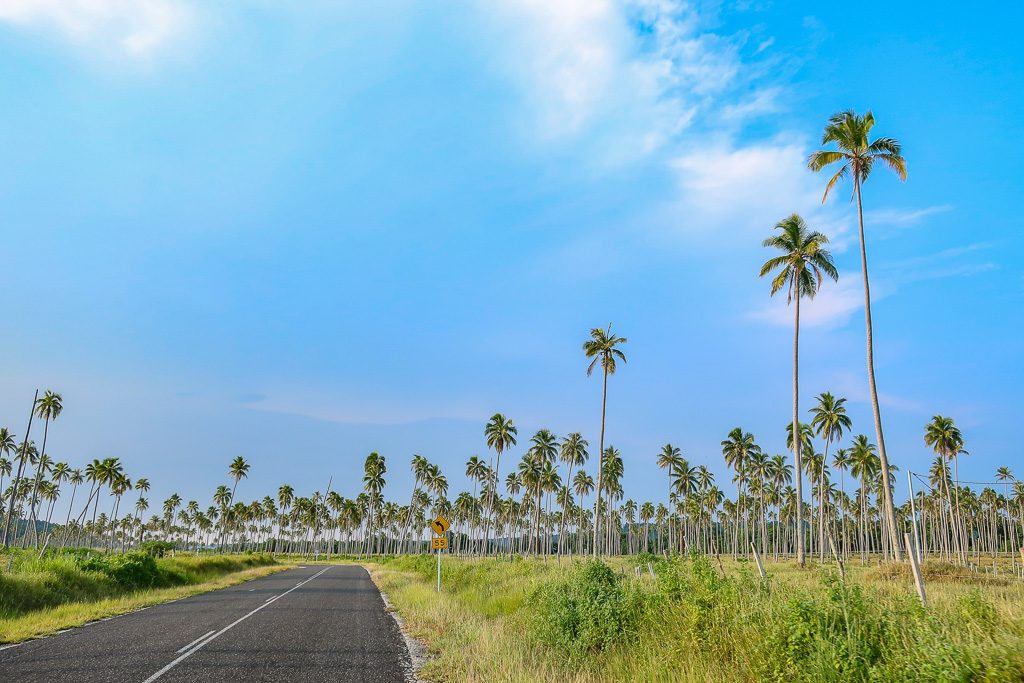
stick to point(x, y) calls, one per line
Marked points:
point(439, 526)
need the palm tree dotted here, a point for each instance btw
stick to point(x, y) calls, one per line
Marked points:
point(829, 420)
point(669, 458)
point(800, 270)
point(374, 469)
point(841, 461)
point(737, 448)
point(8, 446)
point(602, 348)
point(237, 470)
point(47, 408)
point(946, 440)
point(865, 465)
point(500, 434)
point(573, 452)
point(17, 477)
point(1004, 475)
point(476, 471)
point(857, 155)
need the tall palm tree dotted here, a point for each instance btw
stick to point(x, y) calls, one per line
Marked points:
point(418, 465)
point(48, 407)
point(865, 464)
point(573, 452)
point(670, 457)
point(602, 347)
point(17, 477)
point(1004, 475)
point(476, 471)
point(841, 461)
point(799, 270)
point(501, 435)
point(829, 420)
point(945, 438)
point(8, 446)
point(857, 154)
point(237, 470)
point(737, 448)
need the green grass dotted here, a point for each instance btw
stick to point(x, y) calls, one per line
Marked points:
point(61, 590)
point(526, 621)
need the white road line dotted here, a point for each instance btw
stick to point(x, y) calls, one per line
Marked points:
point(194, 642)
point(236, 622)
point(271, 598)
point(8, 647)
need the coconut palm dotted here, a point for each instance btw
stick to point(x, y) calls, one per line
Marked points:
point(573, 452)
point(237, 470)
point(48, 408)
point(866, 466)
point(857, 155)
point(501, 435)
point(737, 448)
point(841, 461)
point(669, 457)
point(829, 420)
point(799, 270)
point(602, 348)
point(1004, 475)
point(945, 438)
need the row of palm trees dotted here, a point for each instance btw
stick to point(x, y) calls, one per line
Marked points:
point(540, 507)
point(768, 512)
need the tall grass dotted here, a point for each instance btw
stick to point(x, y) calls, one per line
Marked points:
point(591, 621)
point(39, 595)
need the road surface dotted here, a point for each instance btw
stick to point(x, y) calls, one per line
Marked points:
point(310, 624)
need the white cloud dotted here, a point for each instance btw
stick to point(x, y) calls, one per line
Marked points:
point(744, 189)
point(834, 305)
point(887, 223)
point(626, 77)
point(135, 28)
point(836, 302)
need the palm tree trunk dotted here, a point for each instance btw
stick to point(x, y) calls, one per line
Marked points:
point(889, 510)
point(35, 486)
point(600, 458)
point(17, 479)
point(797, 436)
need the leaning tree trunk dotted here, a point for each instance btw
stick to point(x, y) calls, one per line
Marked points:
point(17, 478)
point(600, 460)
point(35, 487)
point(797, 464)
point(888, 510)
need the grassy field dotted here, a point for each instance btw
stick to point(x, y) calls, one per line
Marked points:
point(522, 621)
point(42, 596)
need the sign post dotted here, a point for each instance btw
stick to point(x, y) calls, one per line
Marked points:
point(439, 543)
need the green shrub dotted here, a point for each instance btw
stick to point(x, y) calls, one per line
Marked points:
point(157, 548)
point(589, 612)
point(131, 570)
point(76, 576)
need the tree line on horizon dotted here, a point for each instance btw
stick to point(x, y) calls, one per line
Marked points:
point(541, 513)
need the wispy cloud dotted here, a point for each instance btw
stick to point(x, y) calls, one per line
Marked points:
point(133, 28)
point(628, 77)
point(746, 188)
point(366, 410)
point(835, 303)
point(833, 307)
point(890, 222)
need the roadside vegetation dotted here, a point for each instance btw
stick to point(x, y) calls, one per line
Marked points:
point(593, 621)
point(74, 533)
point(60, 590)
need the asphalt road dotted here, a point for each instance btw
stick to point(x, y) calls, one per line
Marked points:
point(314, 623)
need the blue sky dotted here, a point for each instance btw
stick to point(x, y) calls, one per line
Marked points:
point(302, 234)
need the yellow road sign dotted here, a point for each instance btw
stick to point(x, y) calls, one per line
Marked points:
point(439, 543)
point(440, 525)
